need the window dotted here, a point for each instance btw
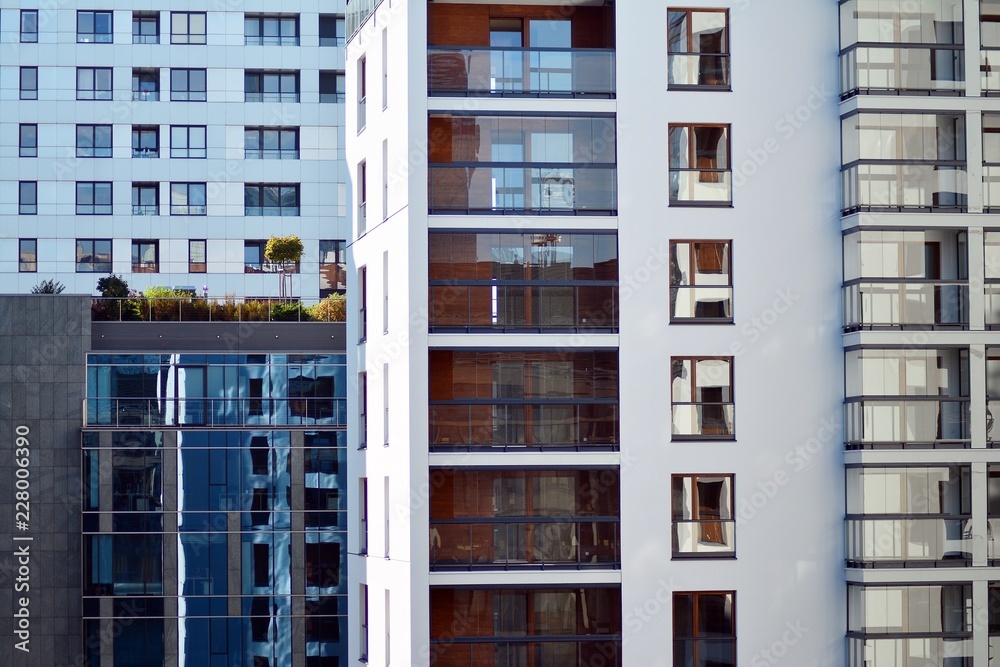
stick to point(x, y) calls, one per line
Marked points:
point(702, 515)
point(145, 28)
point(93, 141)
point(188, 85)
point(363, 409)
point(331, 30)
point(699, 165)
point(145, 85)
point(271, 143)
point(94, 27)
point(187, 27)
point(332, 268)
point(145, 256)
point(271, 199)
point(29, 83)
point(187, 199)
point(27, 140)
point(271, 86)
point(701, 392)
point(93, 83)
point(187, 141)
point(29, 26)
point(363, 310)
point(145, 141)
point(362, 93)
point(362, 197)
point(253, 257)
point(27, 255)
point(145, 199)
point(93, 198)
point(93, 255)
point(705, 629)
point(701, 283)
point(271, 30)
point(27, 198)
point(197, 262)
point(363, 511)
point(331, 87)
point(698, 48)
point(363, 648)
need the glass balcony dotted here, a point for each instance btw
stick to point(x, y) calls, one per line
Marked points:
point(871, 542)
point(523, 307)
point(489, 187)
point(902, 70)
point(915, 651)
point(453, 653)
point(875, 423)
point(518, 426)
point(586, 542)
point(989, 68)
point(991, 188)
point(701, 304)
point(993, 540)
point(357, 12)
point(520, 71)
point(701, 186)
point(698, 70)
point(904, 187)
point(920, 304)
point(120, 412)
point(702, 537)
point(145, 209)
point(703, 420)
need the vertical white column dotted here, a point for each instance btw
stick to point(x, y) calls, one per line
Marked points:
point(977, 395)
point(977, 279)
point(973, 83)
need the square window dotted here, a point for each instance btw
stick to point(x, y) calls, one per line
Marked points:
point(29, 26)
point(703, 516)
point(701, 283)
point(275, 30)
point(27, 198)
point(700, 173)
point(27, 255)
point(271, 199)
point(145, 28)
point(271, 86)
point(187, 141)
point(698, 48)
point(145, 256)
point(27, 140)
point(93, 141)
point(271, 143)
point(188, 85)
point(29, 83)
point(94, 27)
point(145, 141)
point(145, 85)
point(93, 198)
point(93, 83)
point(331, 30)
point(187, 199)
point(331, 87)
point(145, 199)
point(701, 395)
point(196, 256)
point(187, 27)
point(705, 628)
point(253, 256)
point(93, 255)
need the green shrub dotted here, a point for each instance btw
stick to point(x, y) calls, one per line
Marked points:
point(331, 309)
point(48, 287)
point(113, 287)
point(283, 311)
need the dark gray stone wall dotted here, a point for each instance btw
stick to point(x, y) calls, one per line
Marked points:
point(43, 345)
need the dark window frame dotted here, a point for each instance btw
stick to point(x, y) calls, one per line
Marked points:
point(140, 21)
point(138, 206)
point(255, 83)
point(95, 93)
point(138, 265)
point(140, 132)
point(95, 37)
point(202, 266)
point(693, 380)
point(28, 36)
point(185, 36)
point(94, 265)
point(95, 208)
point(262, 20)
point(722, 57)
point(263, 133)
point(25, 149)
point(677, 288)
point(27, 197)
point(27, 92)
point(198, 153)
point(185, 209)
point(27, 265)
point(181, 89)
point(95, 151)
point(261, 209)
point(339, 25)
point(705, 174)
point(699, 634)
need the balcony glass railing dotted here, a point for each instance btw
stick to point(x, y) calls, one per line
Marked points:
point(520, 71)
point(904, 187)
point(145, 152)
point(701, 304)
point(992, 428)
point(993, 540)
point(519, 426)
point(527, 542)
point(909, 540)
point(993, 305)
point(902, 70)
point(145, 209)
point(711, 537)
point(271, 153)
point(910, 651)
point(701, 186)
point(565, 652)
point(492, 187)
point(271, 97)
point(528, 307)
point(214, 411)
point(703, 420)
point(924, 304)
point(145, 96)
point(913, 422)
point(357, 12)
point(989, 68)
point(698, 70)
point(991, 188)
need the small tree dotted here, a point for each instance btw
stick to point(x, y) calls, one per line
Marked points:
point(48, 287)
point(113, 286)
point(284, 250)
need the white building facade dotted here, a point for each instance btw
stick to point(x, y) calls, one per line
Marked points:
point(167, 144)
point(597, 287)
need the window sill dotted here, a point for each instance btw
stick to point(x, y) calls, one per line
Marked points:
point(703, 438)
point(703, 320)
point(701, 204)
point(723, 88)
point(704, 556)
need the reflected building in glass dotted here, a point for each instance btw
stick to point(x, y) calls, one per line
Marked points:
point(213, 514)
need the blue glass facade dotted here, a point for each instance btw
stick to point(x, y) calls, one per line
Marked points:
point(214, 523)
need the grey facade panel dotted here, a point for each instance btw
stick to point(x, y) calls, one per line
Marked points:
point(234, 337)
